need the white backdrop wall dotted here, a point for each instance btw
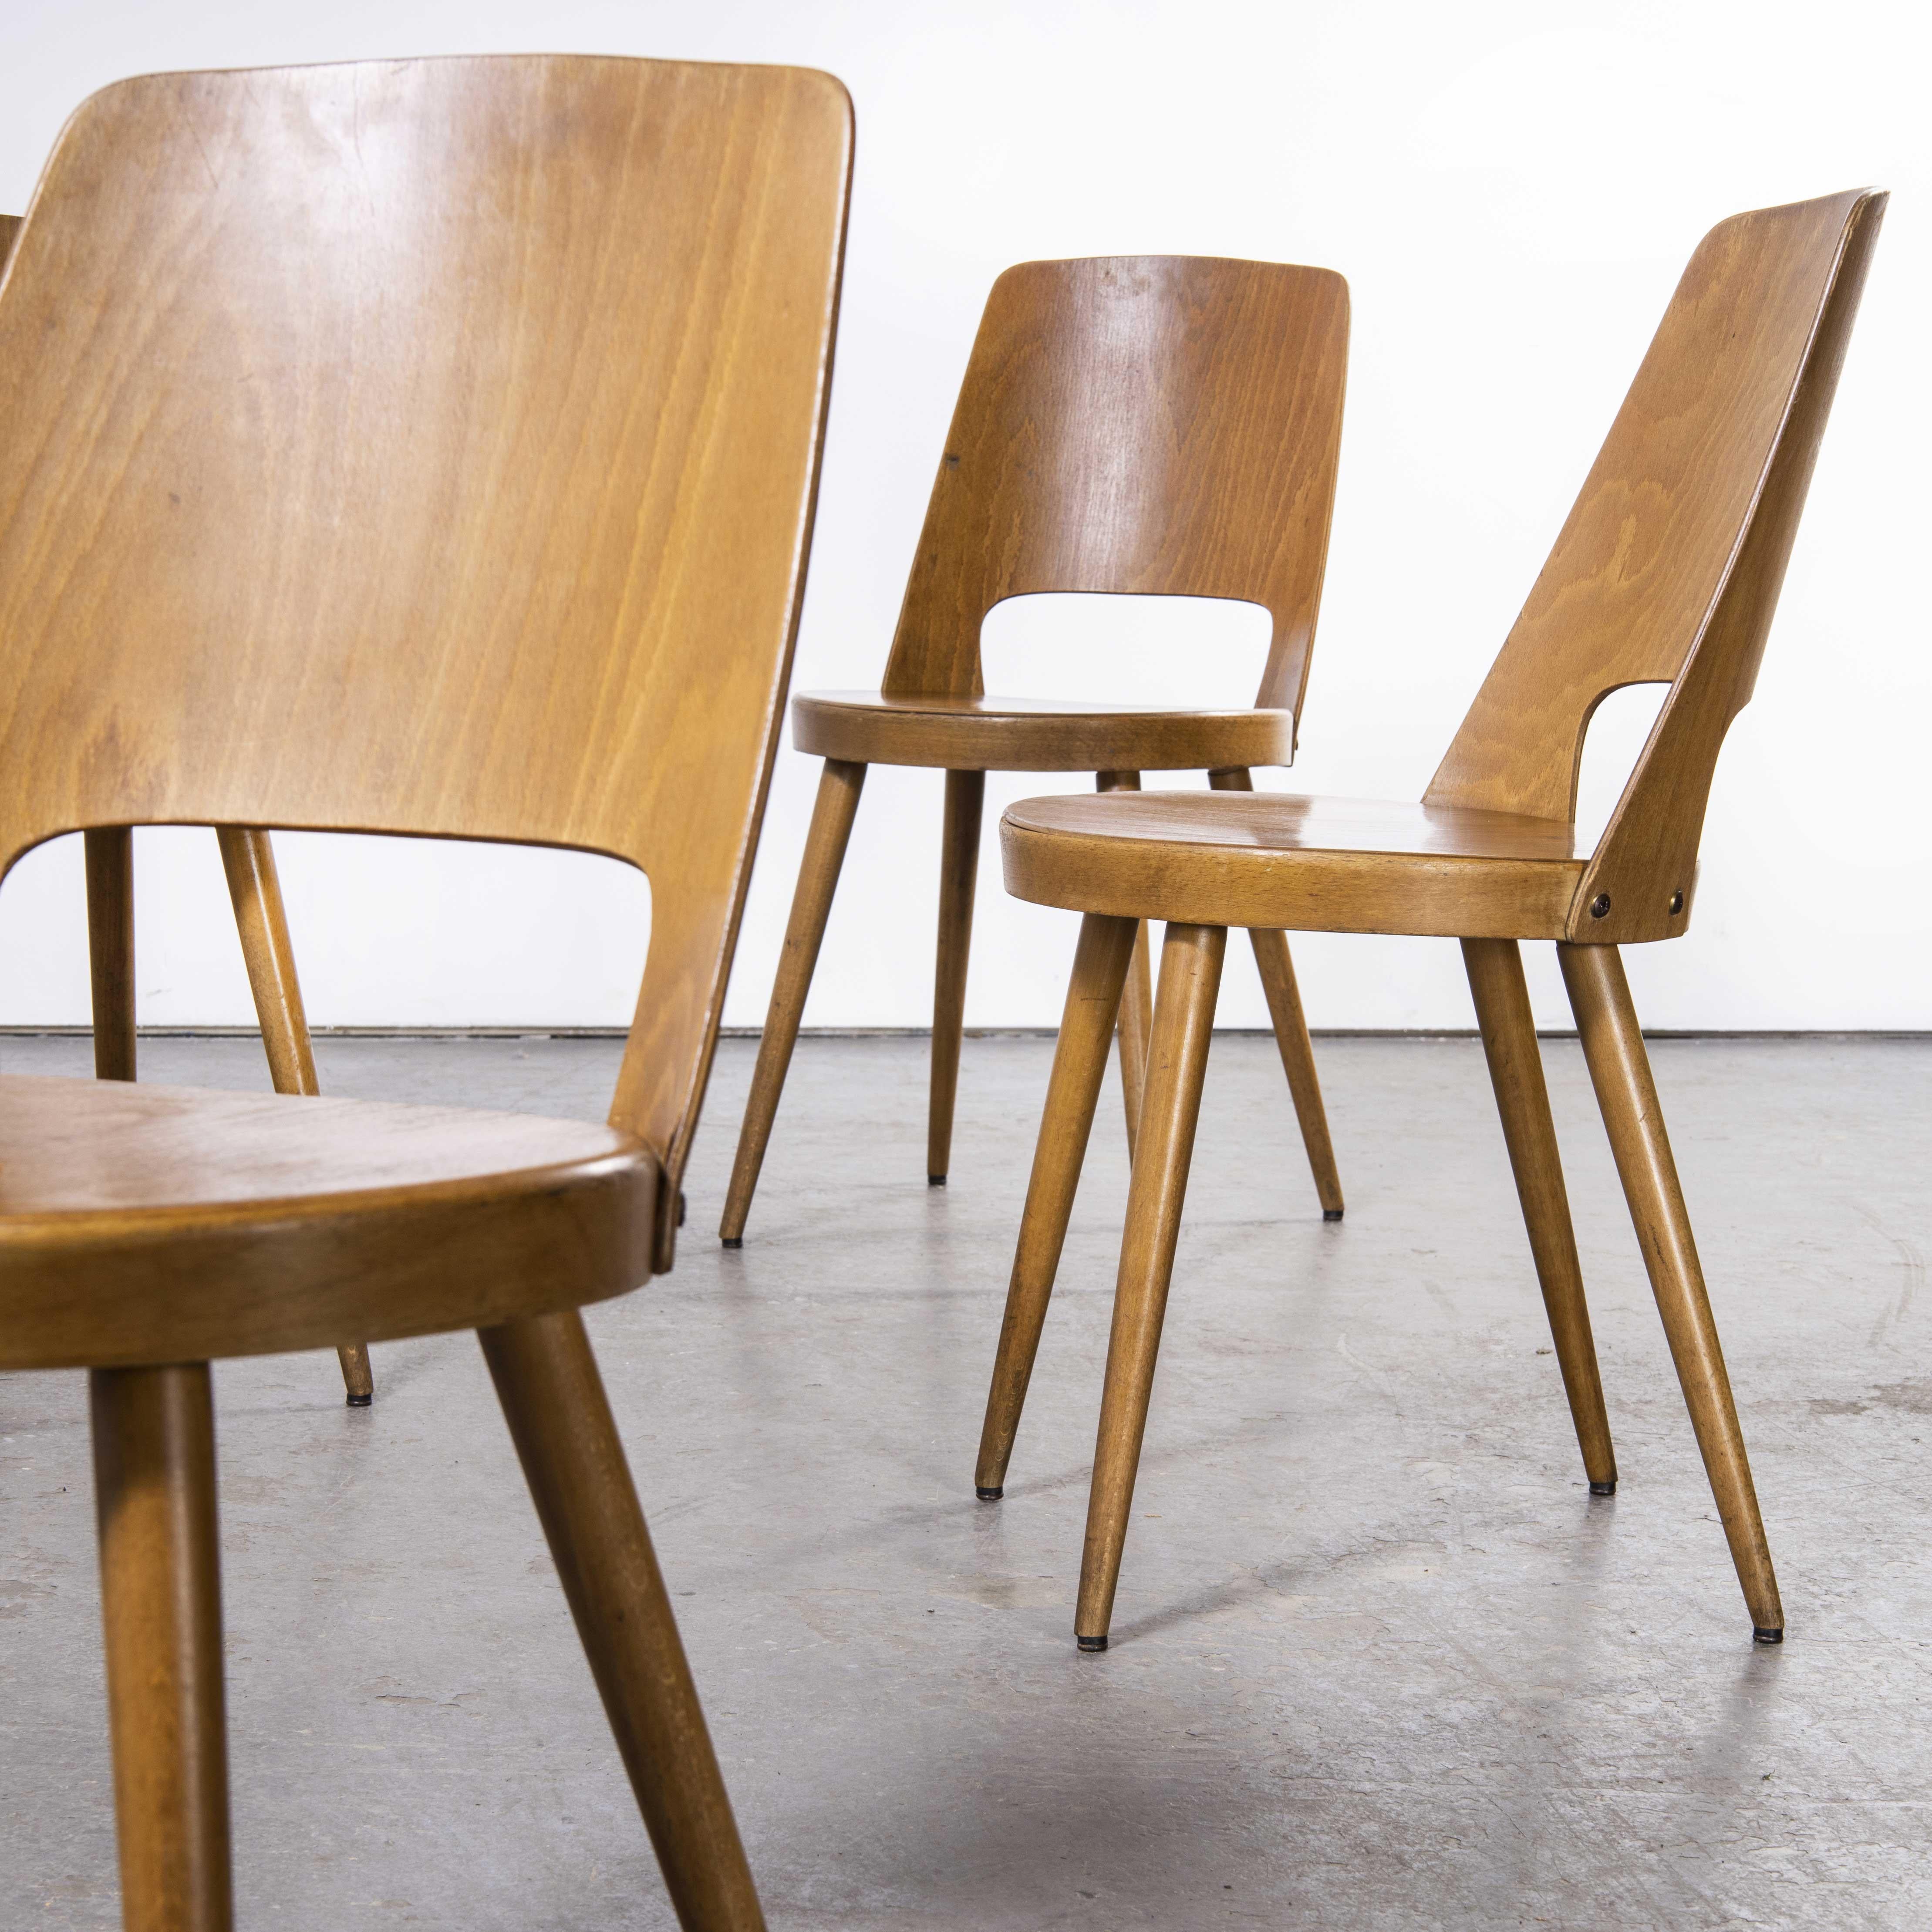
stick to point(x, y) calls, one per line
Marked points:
point(1510, 188)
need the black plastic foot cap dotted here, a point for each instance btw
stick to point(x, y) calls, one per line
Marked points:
point(360, 1401)
point(1091, 1644)
point(1608, 1489)
point(1762, 1635)
point(731, 1240)
point(1331, 1214)
point(935, 1180)
point(989, 1495)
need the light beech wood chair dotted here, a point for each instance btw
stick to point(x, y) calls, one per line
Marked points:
point(1148, 424)
point(1667, 572)
point(248, 862)
point(426, 447)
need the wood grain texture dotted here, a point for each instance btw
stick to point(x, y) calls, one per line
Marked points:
point(1166, 424)
point(1022, 734)
point(1267, 859)
point(161, 1607)
point(1668, 567)
point(438, 457)
point(560, 1420)
point(10, 226)
point(148, 1224)
point(1190, 979)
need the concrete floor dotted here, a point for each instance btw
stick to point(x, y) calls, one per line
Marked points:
point(1379, 1660)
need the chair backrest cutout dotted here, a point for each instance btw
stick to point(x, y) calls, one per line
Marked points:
point(1669, 568)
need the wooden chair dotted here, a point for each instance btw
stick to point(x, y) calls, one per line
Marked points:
point(1150, 425)
point(427, 448)
point(1667, 572)
point(248, 861)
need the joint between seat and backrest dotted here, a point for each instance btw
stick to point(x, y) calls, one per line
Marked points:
point(1668, 567)
point(1151, 424)
point(428, 447)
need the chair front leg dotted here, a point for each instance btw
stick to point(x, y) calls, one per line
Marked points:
point(958, 873)
point(1494, 967)
point(1276, 964)
point(248, 858)
point(1100, 964)
point(1620, 1071)
point(553, 1400)
point(160, 1609)
point(839, 786)
point(1183, 1021)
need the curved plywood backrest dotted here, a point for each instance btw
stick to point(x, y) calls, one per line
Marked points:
point(427, 447)
point(1669, 568)
point(1161, 424)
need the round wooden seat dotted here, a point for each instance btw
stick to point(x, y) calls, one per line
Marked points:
point(1328, 865)
point(148, 1225)
point(1035, 734)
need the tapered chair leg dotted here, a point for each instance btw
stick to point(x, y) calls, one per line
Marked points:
point(1275, 965)
point(958, 872)
point(1620, 1071)
point(1298, 1061)
point(248, 858)
point(1135, 1030)
point(553, 1399)
point(1100, 965)
point(110, 948)
point(160, 1607)
point(1136, 1016)
point(1495, 967)
point(838, 788)
point(1190, 978)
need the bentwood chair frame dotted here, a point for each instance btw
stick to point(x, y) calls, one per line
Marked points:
point(1667, 571)
point(426, 447)
point(248, 862)
point(1163, 425)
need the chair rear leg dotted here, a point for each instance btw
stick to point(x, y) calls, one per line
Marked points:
point(110, 948)
point(161, 1607)
point(553, 1400)
point(958, 873)
point(1494, 967)
point(1136, 1019)
point(1276, 967)
point(1100, 964)
point(248, 858)
point(1620, 1070)
point(1190, 978)
point(839, 786)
